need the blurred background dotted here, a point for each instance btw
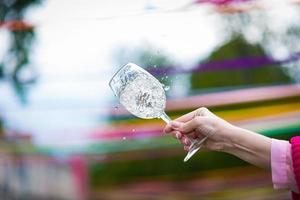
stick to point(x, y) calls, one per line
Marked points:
point(64, 135)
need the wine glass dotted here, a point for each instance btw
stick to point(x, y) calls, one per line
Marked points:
point(144, 96)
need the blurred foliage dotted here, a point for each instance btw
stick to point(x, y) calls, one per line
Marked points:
point(169, 167)
point(21, 41)
point(1, 71)
point(14, 9)
point(259, 28)
point(237, 48)
point(20, 50)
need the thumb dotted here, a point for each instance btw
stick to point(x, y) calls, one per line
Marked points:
point(192, 124)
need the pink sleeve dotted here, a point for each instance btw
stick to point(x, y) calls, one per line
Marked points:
point(282, 166)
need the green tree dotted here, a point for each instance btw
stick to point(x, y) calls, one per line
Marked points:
point(235, 48)
point(1, 128)
point(21, 41)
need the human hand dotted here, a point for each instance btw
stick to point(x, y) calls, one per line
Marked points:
point(199, 124)
point(222, 136)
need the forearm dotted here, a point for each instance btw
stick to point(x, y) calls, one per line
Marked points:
point(250, 147)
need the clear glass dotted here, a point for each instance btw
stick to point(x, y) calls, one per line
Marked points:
point(144, 96)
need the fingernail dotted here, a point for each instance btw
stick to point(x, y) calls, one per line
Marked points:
point(178, 135)
point(186, 141)
point(175, 124)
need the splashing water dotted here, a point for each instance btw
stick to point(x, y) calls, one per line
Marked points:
point(166, 87)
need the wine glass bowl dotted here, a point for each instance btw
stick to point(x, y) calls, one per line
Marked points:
point(139, 92)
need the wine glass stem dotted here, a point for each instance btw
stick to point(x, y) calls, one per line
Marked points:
point(165, 117)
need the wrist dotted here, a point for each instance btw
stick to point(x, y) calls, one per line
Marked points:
point(238, 139)
point(231, 139)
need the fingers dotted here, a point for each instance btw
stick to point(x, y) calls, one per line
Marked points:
point(176, 134)
point(177, 123)
point(203, 112)
point(192, 125)
point(198, 112)
point(187, 117)
point(184, 140)
point(193, 135)
point(186, 148)
point(168, 129)
point(173, 125)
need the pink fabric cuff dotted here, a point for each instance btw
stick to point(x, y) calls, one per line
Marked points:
point(282, 166)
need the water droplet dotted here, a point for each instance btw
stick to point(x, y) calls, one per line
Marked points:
point(124, 138)
point(133, 130)
point(167, 77)
point(154, 66)
point(166, 88)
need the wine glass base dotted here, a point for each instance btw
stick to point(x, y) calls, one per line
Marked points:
point(191, 153)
